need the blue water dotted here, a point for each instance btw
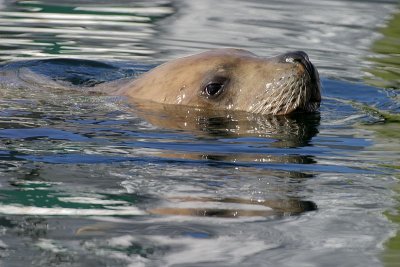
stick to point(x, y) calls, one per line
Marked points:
point(93, 180)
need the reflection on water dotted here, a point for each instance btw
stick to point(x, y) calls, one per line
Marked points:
point(89, 29)
point(92, 180)
point(386, 68)
point(336, 34)
point(160, 183)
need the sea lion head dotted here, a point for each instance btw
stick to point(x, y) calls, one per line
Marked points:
point(233, 79)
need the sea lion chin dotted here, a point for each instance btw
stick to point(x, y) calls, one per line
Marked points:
point(232, 79)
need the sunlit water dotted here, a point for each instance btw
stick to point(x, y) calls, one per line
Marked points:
point(92, 180)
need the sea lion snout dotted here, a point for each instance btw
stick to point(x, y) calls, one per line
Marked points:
point(310, 77)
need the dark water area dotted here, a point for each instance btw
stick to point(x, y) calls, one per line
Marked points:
point(94, 180)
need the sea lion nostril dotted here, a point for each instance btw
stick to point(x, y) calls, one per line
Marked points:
point(295, 56)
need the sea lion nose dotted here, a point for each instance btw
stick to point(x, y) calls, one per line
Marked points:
point(298, 57)
point(295, 56)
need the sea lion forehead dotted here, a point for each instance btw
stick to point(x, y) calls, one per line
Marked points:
point(215, 60)
point(224, 55)
point(229, 52)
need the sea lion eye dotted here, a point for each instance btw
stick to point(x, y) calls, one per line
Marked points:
point(213, 89)
point(214, 86)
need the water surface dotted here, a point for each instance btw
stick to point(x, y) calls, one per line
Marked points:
point(92, 180)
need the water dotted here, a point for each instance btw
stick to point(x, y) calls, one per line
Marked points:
point(91, 180)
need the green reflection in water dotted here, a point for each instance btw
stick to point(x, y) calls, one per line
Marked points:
point(386, 74)
point(386, 148)
point(391, 255)
point(163, 10)
point(387, 139)
point(42, 195)
point(386, 70)
point(108, 30)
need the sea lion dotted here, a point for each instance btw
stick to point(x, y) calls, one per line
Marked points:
point(217, 80)
point(230, 79)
